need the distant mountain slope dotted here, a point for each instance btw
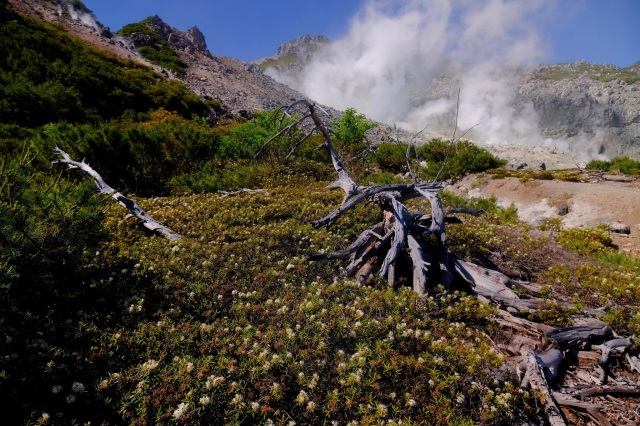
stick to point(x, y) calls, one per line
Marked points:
point(239, 86)
point(594, 109)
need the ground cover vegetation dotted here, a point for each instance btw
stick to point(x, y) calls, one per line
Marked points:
point(104, 322)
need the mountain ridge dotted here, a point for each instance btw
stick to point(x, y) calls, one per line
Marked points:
point(596, 109)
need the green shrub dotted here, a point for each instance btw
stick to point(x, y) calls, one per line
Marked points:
point(136, 157)
point(455, 160)
point(49, 229)
point(616, 165)
point(390, 157)
point(593, 241)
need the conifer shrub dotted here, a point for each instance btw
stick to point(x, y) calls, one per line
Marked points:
point(138, 158)
point(50, 229)
point(458, 159)
point(390, 157)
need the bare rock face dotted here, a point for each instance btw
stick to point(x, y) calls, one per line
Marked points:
point(191, 40)
point(588, 105)
point(294, 54)
point(303, 47)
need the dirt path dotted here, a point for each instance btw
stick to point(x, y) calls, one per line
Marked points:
point(589, 203)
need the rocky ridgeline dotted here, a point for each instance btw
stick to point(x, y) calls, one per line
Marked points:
point(303, 47)
point(293, 55)
point(191, 41)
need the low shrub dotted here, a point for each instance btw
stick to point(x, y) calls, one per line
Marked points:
point(455, 160)
point(623, 165)
point(592, 240)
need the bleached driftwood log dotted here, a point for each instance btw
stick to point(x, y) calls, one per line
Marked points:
point(133, 207)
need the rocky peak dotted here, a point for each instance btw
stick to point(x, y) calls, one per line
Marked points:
point(191, 40)
point(196, 37)
point(303, 47)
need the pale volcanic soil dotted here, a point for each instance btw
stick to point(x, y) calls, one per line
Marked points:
point(601, 200)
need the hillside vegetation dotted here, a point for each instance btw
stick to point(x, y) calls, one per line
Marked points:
point(106, 323)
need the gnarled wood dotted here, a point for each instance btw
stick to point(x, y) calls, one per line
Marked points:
point(592, 409)
point(606, 349)
point(493, 285)
point(574, 336)
point(540, 387)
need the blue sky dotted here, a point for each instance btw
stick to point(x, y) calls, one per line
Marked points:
point(598, 31)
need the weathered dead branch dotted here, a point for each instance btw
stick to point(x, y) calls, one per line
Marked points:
point(224, 194)
point(592, 409)
point(538, 383)
point(133, 207)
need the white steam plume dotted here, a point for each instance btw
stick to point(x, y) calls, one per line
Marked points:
point(402, 62)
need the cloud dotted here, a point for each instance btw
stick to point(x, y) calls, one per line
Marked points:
point(403, 62)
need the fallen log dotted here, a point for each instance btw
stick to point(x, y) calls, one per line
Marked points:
point(133, 207)
point(493, 285)
point(609, 390)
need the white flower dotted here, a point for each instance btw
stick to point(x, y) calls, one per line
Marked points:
point(255, 406)
point(45, 417)
point(381, 410)
point(77, 387)
point(205, 400)
point(56, 389)
point(290, 266)
point(213, 381)
point(302, 397)
point(150, 365)
point(237, 399)
point(182, 409)
point(311, 406)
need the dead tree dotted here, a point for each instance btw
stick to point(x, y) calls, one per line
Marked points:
point(134, 209)
point(412, 247)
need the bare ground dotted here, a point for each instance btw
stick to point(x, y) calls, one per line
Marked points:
point(607, 200)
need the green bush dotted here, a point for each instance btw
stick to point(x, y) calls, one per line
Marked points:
point(390, 157)
point(593, 241)
point(136, 157)
point(49, 229)
point(455, 160)
point(349, 139)
point(616, 165)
